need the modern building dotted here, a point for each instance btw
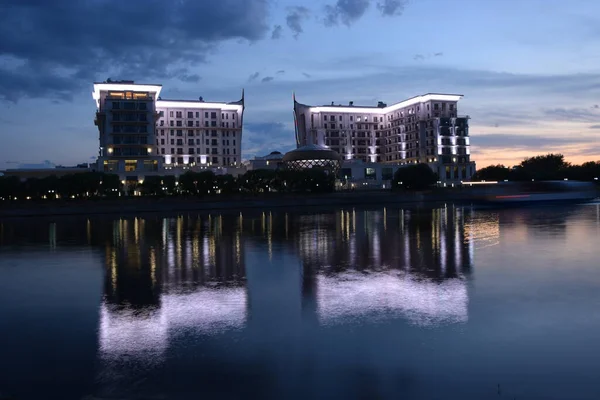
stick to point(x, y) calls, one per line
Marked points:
point(358, 175)
point(422, 129)
point(139, 132)
point(312, 156)
point(125, 116)
point(200, 133)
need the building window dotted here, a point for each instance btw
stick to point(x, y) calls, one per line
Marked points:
point(206, 114)
point(197, 114)
point(130, 165)
point(171, 123)
point(171, 114)
point(190, 114)
point(190, 132)
point(213, 115)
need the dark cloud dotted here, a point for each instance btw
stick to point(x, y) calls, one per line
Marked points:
point(345, 11)
point(281, 72)
point(253, 77)
point(418, 57)
point(295, 18)
point(438, 54)
point(596, 106)
point(391, 7)
point(573, 114)
point(277, 31)
point(51, 49)
point(595, 127)
point(267, 79)
point(189, 78)
point(307, 75)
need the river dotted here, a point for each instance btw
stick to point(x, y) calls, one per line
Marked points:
point(380, 303)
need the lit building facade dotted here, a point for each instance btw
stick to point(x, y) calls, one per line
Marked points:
point(423, 129)
point(140, 133)
point(199, 133)
point(125, 117)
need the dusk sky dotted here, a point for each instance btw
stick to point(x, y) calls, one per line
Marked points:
point(529, 69)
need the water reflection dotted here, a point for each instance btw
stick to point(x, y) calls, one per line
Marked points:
point(271, 296)
point(191, 273)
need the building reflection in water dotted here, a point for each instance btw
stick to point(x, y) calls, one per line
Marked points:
point(389, 264)
point(210, 274)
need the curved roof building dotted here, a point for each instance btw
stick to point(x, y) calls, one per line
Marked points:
point(311, 156)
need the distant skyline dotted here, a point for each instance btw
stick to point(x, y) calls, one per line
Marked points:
point(529, 70)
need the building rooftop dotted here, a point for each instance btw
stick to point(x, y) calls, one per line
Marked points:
point(383, 107)
point(311, 152)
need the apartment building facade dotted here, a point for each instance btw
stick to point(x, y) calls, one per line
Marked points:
point(422, 129)
point(199, 133)
point(140, 133)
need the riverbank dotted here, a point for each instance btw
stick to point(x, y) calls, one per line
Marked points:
point(133, 205)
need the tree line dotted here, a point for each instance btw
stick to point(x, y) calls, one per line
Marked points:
point(198, 184)
point(542, 168)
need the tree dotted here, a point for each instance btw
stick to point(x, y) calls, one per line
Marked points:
point(197, 183)
point(414, 177)
point(492, 173)
point(547, 167)
point(152, 186)
point(10, 186)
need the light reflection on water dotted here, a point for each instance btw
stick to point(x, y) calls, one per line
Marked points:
point(299, 305)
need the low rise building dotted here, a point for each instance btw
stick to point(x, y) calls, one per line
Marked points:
point(272, 160)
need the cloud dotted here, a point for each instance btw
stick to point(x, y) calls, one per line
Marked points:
point(189, 78)
point(267, 79)
point(345, 11)
point(44, 165)
point(573, 114)
point(595, 127)
point(295, 17)
point(266, 137)
point(253, 77)
point(277, 31)
point(281, 72)
point(307, 75)
point(53, 49)
point(391, 8)
point(498, 140)
point(596, 106)
point(421, 57)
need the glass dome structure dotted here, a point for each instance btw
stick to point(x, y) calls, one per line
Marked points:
point(312, 156)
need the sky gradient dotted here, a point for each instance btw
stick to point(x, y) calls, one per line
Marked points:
point(529, 70)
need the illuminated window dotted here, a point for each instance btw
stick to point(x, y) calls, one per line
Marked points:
point(130, 165)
